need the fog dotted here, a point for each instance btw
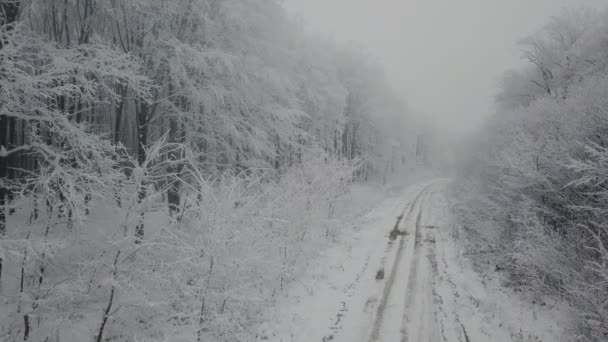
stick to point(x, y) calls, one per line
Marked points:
point(444, 56)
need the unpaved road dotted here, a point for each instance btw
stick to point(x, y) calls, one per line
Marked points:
point(410, 308)
point(404, 280)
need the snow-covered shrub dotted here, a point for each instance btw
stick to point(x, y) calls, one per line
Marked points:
point(261, 230)
point(206, 275)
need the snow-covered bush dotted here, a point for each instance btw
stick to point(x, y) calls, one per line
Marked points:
point(239, 241)
point(261, 230)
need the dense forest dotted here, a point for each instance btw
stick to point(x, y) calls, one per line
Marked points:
point(533, 193)
point(170, 170)
point(168, 166)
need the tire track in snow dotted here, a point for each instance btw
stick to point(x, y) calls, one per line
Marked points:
point(418, 301)
point(448, 320)
point(379, 319)
point(337, 326)
point(411, 283)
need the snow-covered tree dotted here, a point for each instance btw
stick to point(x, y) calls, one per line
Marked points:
point(147, 146)
point(537, 189)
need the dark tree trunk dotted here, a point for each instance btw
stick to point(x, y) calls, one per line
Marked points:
point(9, 11)
point(3, 178)
point(122, 91)
point(13, 159)
point(26, 327)
point(3, 173)
point(173, 197)
point(106, 312)
point(143, 116)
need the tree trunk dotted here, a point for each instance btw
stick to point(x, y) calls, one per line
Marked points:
point(9, 12)
point(122, 91)
point(12, 160)
point(3, 178)
point(26, 327)
point(106, 312)
point(143, 115)
point(173, 193)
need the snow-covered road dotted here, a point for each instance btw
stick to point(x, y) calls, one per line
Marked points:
point(402, 278)
point(406, 311)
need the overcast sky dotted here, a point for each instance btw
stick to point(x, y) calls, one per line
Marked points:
point(445, 56)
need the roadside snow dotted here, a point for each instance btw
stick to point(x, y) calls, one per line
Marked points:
point(314, 307)
point(338, 298)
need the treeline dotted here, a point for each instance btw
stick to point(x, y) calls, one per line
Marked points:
point(535, 190)
point(118, 110)
point(234, 81)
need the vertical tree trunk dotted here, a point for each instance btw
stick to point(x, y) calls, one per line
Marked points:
point(9, 12)
point(26, 327)
point(345, 141)
point(143, 116)
point(336, 148)
point(3, 189)
point(106, 312)
point(116, 136)
point(176, 135)
point(122, 91)
point(173, 197)
point(277, 158)
point(12, 160)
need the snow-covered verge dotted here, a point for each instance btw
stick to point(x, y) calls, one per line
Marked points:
point(339, 298)
point(313, 308)
point(490, 311)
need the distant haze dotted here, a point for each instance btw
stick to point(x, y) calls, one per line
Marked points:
point(445, 56)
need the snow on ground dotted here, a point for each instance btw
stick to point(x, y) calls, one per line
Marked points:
point(427, 291)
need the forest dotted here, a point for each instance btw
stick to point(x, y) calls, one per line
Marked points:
point(534, 199)
point(168, 167)
point(212, 170)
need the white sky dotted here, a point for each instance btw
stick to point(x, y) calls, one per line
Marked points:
point(445, 56)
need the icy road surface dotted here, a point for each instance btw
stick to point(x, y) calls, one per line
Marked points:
point(402, 278)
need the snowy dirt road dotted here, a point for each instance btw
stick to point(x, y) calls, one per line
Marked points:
point(404, 279)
